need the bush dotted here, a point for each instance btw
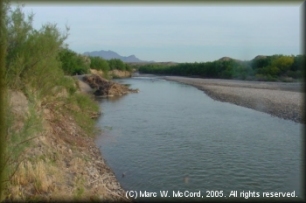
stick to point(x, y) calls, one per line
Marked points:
point(262, 77)
point(73, 63)
point(116, 64)
point(32, 54)
point(36, 61)
point(99, 64)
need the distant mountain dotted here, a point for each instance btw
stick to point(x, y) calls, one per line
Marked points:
point(107, 55)
point(225, 58)
point(259, 57)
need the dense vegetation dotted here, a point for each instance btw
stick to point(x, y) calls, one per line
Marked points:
point(77, 64)
point(36, 62)
point(99, 63)
point(73, 63)
point(268, 68)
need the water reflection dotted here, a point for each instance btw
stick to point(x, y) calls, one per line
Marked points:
point(173, 137)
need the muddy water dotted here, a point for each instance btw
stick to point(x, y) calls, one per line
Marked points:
point(172, 137)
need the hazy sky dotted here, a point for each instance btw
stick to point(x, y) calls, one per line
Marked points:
point(177, 32)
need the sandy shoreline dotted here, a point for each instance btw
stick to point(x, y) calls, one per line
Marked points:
point(284, 100)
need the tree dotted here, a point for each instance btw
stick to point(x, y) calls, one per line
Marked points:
point(99, 63)
point(270, 70)
point(116, 64)
point(298, 63)
point(73, 63)
point(31, 54)
point(128, 67)
point(283, 63)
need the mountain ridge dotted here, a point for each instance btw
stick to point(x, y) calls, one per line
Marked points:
point(107, 55)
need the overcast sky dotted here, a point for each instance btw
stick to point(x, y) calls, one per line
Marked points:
point(177, 32)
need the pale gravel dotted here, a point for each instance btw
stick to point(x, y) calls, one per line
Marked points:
point(284, 100)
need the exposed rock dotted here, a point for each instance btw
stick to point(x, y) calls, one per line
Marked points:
point(97, 72)
point(83, 86)
point(120, 74)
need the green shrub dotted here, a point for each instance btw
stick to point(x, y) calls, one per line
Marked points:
point(35, 63)
point(116, 64)
point(73, 63)
point(86, 108)
point(99, 63)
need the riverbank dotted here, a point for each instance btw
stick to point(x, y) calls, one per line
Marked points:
point(60, 160)
point(101, 87)
point(284, 100)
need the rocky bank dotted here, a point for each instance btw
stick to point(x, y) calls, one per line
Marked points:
point(61, 163)
point(106, 88)
point(284, 100)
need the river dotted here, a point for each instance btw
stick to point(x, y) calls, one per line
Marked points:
point(173, 137)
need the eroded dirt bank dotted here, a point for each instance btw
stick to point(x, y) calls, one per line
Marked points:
point(94, 84)
point(284, 100)
point(61, 162)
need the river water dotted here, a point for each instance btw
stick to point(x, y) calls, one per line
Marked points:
point(173, 137)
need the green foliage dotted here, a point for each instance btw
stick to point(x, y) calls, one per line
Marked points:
point(99, 63)
point(277, 66)
point(32, 126)
point(86, 106)
point(19, 136)
point(268, 68)
point(260, 62)
point(32, 54)
point(271, 70)
point(283, 63)
point(35, 63)
point(73, 63)
point(265, 77)
point(116, 64)
point(67, 83)
point(298, 63)
point(128, 67)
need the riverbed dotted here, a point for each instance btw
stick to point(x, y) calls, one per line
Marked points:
point(173, 137)
point(284, 100)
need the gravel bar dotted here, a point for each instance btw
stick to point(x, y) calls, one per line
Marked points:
point(284, 100)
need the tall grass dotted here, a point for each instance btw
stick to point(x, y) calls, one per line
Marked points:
point(82, 115)
point(32, 68)
point(22, 128)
